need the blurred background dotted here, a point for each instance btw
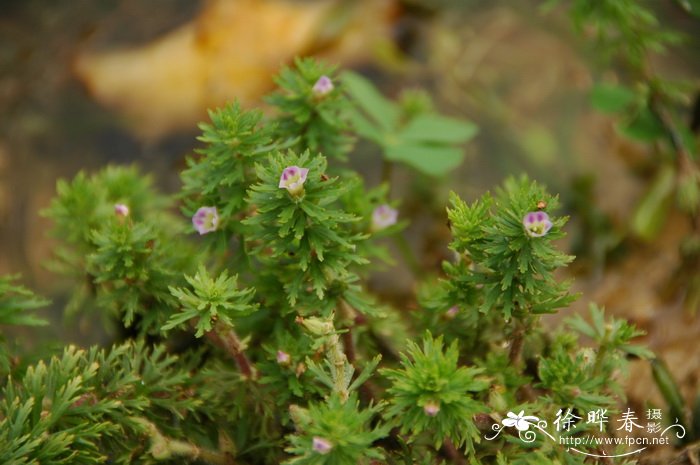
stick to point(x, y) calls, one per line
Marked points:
point(88, 83)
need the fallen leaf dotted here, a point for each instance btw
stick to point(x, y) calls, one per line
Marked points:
point(231, 50)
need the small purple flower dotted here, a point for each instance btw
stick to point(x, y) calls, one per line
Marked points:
point(206, 220)
point(431, 408)
point(323, 86)
point(452, 312)
point(320, 445)
point(283, 358)
point(537, 224)
point(121, 210)
point(383, 216)
point(293, 179)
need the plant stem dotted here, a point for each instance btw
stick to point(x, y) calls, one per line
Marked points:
point(165, 448)
point(387, 170)
point(684, 161)
point(683, 157)
point(407, 253)
point(338, 359)
point(601, 354)
point(348, 315)
point(227, 339)
point(334, 351)
point(453, 453)
point(518, 340)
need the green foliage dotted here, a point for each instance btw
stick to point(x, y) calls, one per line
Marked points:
point(305, 236)
point(431, 393)
point(638, 120)
point(123, 263)
point(515, 269)
point(129, 271)
point(612, 99)
point(571, 380)
point(344, 426)
point(16, 308)
point(83, 407)
point(650, 107)
point(211, 300)
point(279, 284)
point(84, 205)
point(284, 376)
point(16, 302)
point(319, 121)
point(671, 393)
point(611, 336)
point(626, 27)
point(582, 378)
point(222, 172)
point(652, 210)
point(411, 134)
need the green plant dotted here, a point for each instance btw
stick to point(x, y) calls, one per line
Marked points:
point(408, 131)
point(650, 108)
point(258, 339)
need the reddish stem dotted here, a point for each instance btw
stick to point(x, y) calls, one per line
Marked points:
point(227, 339)
point(453, 453)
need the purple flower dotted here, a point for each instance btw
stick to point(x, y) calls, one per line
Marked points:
point(383, 216)
point(293, 179)
point(121, 210)
point(320, 445)
point(452, 312)
point(431, 408)
point(206, 220)
point(537, 224)
point(323, 86)
point(283, 358)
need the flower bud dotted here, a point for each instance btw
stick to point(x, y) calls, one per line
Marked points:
point(316, 326)
point(587, 356)
point(431, 408)
point(300, 416)
point(452, 312)
point(283, 358)
point(320, 445)
point(323, 86)
point(121, 210)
